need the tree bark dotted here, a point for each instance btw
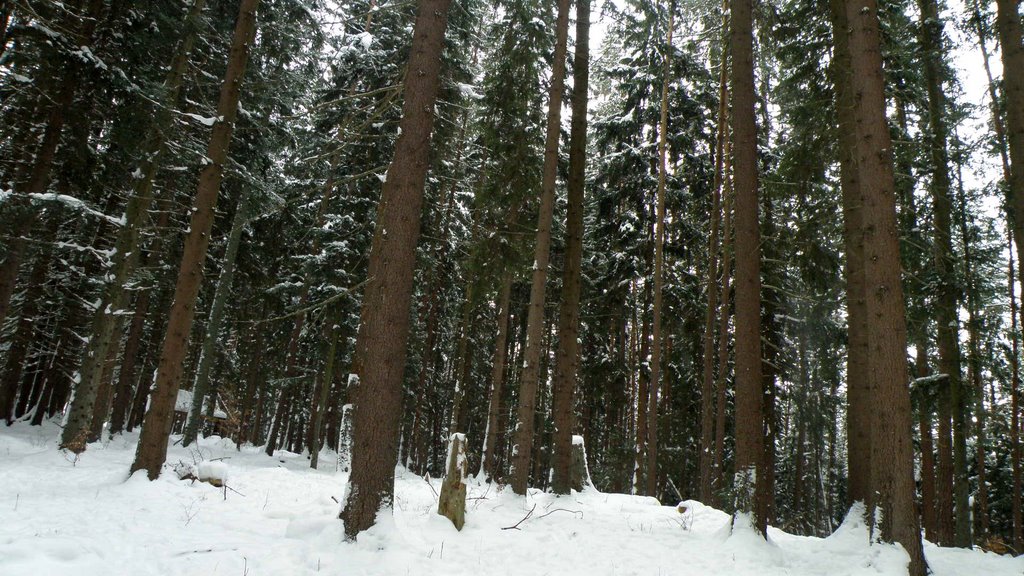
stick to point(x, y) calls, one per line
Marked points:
point(659, 266)
point(891, 499)
point(156, 427)
point(749, 421)
point(857, 385)
point(707, 395)
point(521, 450)
point(568, 354)
point(384, 324)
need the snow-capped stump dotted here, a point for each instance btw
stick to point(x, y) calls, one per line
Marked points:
point(214, 472)
point(579, 475)
point(452, 502)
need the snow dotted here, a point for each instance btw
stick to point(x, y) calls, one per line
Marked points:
point(75, 204)
point(212, 470)
point(183, 403)
point(204, 120)
point(83, 516)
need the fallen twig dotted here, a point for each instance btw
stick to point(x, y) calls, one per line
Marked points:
point(528, 514)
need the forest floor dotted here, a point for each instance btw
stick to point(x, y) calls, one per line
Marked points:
point(59, 516)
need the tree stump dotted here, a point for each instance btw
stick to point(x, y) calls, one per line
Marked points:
point(452, 502)
point(579, 474)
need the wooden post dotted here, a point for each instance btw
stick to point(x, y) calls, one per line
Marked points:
point(452, 502)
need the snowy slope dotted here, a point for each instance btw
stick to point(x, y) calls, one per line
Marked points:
point(280, 518)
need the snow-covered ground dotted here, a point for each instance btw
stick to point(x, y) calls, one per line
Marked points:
point(278, 517)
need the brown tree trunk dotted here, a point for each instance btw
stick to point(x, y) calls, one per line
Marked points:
point(384, 324)
point(521, 450)
point(659, 266)
point(104, 394)
point(568, 354)
point(749, 421)
point(946, 300)
point(156, 426)
point(857, 385)
point(892, 495)
point(707, 399)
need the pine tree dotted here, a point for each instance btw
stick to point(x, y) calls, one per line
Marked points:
point(384, 323)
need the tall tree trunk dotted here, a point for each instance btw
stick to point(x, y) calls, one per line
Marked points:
point(201, 386)
point(568, 354)
point(384, 324)
point(749, 421)
point(946, 299)
point(156, 426)
point(707, 399)
point(857, 385)
point(109, 317)
point(659, 265)
point(521, 450)
point(892, 494)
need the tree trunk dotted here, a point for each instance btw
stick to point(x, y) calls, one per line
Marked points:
point(659, 266)
point(749, 422)
point(521, 450)
point(156, 426)
point(201, 386)
point(892, 494)
point(488, 459)
point(946, 299)
point(568, 353)
point(326, 379)
point(719, 480)
point(384, 325)
point(707, 400)
point(108, 319)
point(857, 384)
